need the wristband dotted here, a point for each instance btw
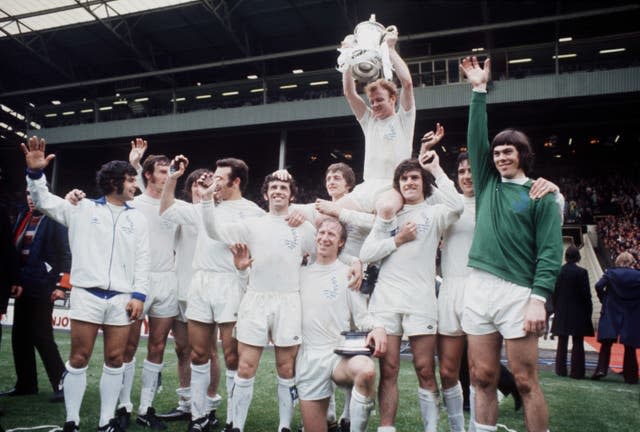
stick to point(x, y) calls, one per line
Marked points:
point(138, 296)
point(34, 174)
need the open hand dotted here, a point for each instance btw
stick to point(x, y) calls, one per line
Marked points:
point(431, 138)
point(138, 148)
point(241, 256)
point(34, 153)
point(476, 74)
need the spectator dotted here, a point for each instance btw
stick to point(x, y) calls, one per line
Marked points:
point(572, 308)
point(619, 293)
point(44, 255)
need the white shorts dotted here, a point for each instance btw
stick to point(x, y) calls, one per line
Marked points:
point(451, 305)
point(492, 304)
point(182, 311)
point(366, 193)
point(314, 368)
point(397, 324)
point(214, 297)
point(162, 297)
point(274, 316)
point(91, 308)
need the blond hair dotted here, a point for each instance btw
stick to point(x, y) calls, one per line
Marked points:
point(625, 259)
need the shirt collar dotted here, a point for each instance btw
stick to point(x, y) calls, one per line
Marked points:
point(103, 201)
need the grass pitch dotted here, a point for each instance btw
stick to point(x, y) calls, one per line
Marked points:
point(574, 406)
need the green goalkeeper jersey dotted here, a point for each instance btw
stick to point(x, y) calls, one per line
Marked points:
point(516, 238)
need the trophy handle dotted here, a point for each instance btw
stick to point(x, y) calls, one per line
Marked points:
point(391, 30)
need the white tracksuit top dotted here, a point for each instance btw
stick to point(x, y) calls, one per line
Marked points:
point(109, 250)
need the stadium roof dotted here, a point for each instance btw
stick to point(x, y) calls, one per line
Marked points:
point(79, 50)
point(25, 16)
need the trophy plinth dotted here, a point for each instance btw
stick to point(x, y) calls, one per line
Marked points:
point(354, 344)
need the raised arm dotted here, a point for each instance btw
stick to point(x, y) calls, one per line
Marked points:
point(138, 148)
point(477, 130)
point(356, 103)
point(231, 233)
point(178, 165)
point(407, 101)
point(51, 205)
point(445, 192)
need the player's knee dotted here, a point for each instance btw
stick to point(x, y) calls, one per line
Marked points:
point(130, 350)
point(285, 370)
point(231, 359)
point(389, 370)
point(247, 369)
point(484, 377)
point(385, 210)
point(448, 375)
point(156, 349)
point(114, 359)
point(525, 382)
point(78, 360)
point(426, 374)
point(181, 345)
point(199, 356)
point(366, 373)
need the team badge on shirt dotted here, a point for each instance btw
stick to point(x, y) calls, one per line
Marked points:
point(426, 222)
point(331, 292)
point(521, 203)
point(293, 242)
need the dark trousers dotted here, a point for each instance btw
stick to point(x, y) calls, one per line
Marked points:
point(577, 356)
point(629, 365)
point(32, 330)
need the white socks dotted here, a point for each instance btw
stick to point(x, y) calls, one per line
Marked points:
point(184, 399)
point(453, 399)
point(150, 373)
point(285, 401)
point(242, 394)
point(200, 378)
point(386, 429)
point(429, 408)
point(110, 384)
point(230, 376)
point(212, 402)
point(360, 407)
point(331, 409)
point(347, 402)
point(472, 409)
point(75, 383)
point(127, 384)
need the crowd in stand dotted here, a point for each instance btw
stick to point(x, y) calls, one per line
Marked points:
point(613, 203)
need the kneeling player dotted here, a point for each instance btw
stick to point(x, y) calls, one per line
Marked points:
point(327, 305)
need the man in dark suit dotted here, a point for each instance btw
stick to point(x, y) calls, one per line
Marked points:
point(9, 284)
point(619, 292)
point(572, 308)
point(43, 248)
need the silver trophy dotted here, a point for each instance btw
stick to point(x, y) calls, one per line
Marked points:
point(365, 52)
point(354, 343)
